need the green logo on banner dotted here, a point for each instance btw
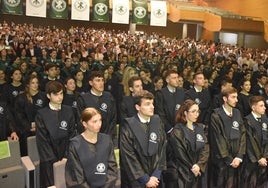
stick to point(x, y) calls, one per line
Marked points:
point(59, 5)
point(12, 3)
point(37, 3)
point(121, 9)
point(140, 12)
point(80, 5)
point(158, 13)
point(101, 9)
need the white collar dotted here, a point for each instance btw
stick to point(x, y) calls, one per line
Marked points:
point(171, 89)
point(197, 90)
point(255, 115)
point(143, 120)
point(227, 113)
point(93, 93)
point(53, 108)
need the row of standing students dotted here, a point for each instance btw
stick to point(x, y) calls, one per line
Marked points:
point(227, 139)
point(231, 154)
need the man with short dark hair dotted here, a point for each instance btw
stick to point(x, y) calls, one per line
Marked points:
point(55, 126)
point(101, 100)
point(201, 96)
point(258, 89)
point(142, 146)
point(255, 164)
point(169, 100)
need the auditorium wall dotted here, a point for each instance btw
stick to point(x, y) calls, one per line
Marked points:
point(172, 29)
point(252, 8)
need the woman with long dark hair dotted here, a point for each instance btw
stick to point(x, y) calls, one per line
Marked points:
point(26, 106)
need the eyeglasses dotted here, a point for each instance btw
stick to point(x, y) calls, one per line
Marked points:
point(195, 111)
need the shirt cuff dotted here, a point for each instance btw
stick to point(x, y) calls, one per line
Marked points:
point(239, 159)
point(157, 174)
point(170, 130)
point(144, 179)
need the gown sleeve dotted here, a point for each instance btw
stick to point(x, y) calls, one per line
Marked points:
point(74, 173)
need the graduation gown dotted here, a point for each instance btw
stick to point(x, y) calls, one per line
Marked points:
point(25, 116)
point(185, 148)
point(71, 100)
point(142, 151)
point(53, 131)
point(228, 140)
point(243, 104)
point(255, 175)
point(167, 105)
point(100, 153)
point(105, 104)
point(7, 124)
point(127, 108)
point(203, 100)
point(26, 111)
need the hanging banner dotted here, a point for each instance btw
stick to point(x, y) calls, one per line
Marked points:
point(37, 8)
point(139, 12)
point(58, 9)
point(80, 10)
point(120, 12)
point(100, 11)
point(158, 13)
point(12, 7)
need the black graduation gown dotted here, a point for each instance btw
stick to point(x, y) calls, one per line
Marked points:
point(228, 140)
point(243, 104)
point(25, 115)
point(71, 100)
point(10, 92)
point(105, 104)
point(75, 171)
point(127, 108)
point(136, 164)
point(256, 89)
point(186, 148)
point(167, 105)
point(53, 131)
point(7, 124)
point(255, 175)
point(203, 100)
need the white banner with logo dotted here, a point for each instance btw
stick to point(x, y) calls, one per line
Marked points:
point(37, 8)
point(120, 11)
point(80, 10)
point(158, 13)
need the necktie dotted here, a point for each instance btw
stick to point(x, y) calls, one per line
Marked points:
point(259, 119)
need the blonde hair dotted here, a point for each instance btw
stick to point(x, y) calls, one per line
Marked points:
point(125, 78)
